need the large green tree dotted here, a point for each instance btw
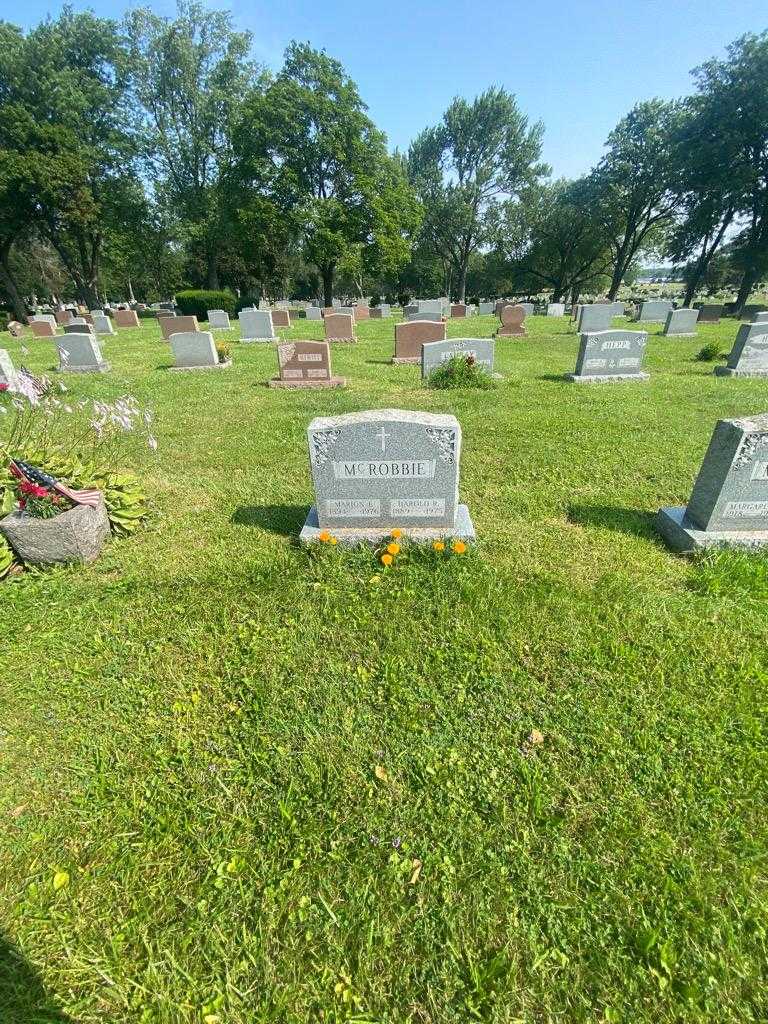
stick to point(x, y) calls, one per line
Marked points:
point(482, 153)
point(632, 186)
point(308, 145)
point(189, 78)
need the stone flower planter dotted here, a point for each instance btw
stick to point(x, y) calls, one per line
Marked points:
point(74, 536)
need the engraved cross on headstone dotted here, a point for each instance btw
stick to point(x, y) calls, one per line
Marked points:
point(383, 435)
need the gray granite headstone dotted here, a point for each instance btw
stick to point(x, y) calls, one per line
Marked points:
point(218, 320)
point(528, 307)
point(45, 318)
point(749, 355)
point(681, 322)
point(729, 501)
point(102, 324)
point(377, 470)
point(314, 313)
point(654, 309)
point(193, 350)
point(386, 310)
point(556, 309)
point(75, 327)
point(760, 318)
point(433, 307)
point(80, 353)
point(346, 311)
point(487, 308)
point(597, 316)
point(607, 356)
point(256, 325)
point(7, 371)
point(435, 353)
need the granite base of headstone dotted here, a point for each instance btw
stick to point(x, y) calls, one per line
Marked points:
point(729, 502)
point(607, 357)
point(384, 469)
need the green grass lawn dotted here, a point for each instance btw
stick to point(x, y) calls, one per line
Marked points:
point(288, 788)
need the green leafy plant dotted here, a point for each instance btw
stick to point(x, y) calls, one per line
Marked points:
point(460, 372)
point(710, 353)
point(197, 302)
point(223, 350)
point(7, 558)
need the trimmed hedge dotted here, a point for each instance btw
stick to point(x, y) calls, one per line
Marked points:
point(197, 302)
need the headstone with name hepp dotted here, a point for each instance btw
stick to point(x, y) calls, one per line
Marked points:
point(729, 501)
point(195, 350)
point(377, 470)
point(218, 320)
point(556, 309)
point(597, 316)
point(606, 356)
point(435, 353)
point(749, 355)
point(654, 309)
point(410, 336)
point(256, 325)
point(80, 353)
point(681, 322)
point(305, 364)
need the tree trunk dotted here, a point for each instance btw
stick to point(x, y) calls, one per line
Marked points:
point(9, 282)
point(463, 281)
point(327, 275)
point(212, 270)
point(131, 296)
point(745, 288)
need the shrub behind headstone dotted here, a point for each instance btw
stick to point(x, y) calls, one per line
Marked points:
point(197, 302)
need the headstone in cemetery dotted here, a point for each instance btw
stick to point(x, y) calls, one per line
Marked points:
point(653, 309)
point(42, 329)
point(760, 318)
point(618, 308)
point(458, 311)
point(749, 355)
point(410, 309)
point(487, 308)
point(80, 353)
point(556, 309)
point(528, 307)
point(597, 316)
point(729, 501)
point(7, 372)
point(218, 320)
point(63, 316)
point(435, 353)
point(102, 324)
point(433, 307)
point(345, 310)
point(305, 364)
point(47, 318)
point(374, 471)
point(78, 326)
point(362, 312)
point(15, 328)
point(410, 336)
point(471, 309)
point(384, 310)
point(710, 313)
point(314, 313)
point(375, 312)
point(681, 323)
point(195, 350)
point(336, 303)
point(256, 325)
point(339, 327)
point(126, 318)
point(606, 356)
point(512, 322)
point(170, 325)
point(281, 318)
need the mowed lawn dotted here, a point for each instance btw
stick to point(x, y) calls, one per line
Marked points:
point(281, 788)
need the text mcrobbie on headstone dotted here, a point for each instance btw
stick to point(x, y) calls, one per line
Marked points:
point(606, 356)
point(729, 501)
point(374, 471)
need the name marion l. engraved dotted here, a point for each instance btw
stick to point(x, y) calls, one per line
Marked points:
point(380, 469)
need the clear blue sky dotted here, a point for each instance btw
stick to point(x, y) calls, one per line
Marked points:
point(576, 65)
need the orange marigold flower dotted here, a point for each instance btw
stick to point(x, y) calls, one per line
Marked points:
point(397, 532)
point(393, 549)
point(324, 536)
point(386, 559)
point(459, 547)
point(439, 545)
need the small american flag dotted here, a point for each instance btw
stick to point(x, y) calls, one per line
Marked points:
point(35, 382)
point(25, 471)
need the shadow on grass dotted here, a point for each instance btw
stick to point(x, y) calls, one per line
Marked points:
point(380, 362)
point(610, 517)
point(283, 519)
point(557, 378)
point(23, 999)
